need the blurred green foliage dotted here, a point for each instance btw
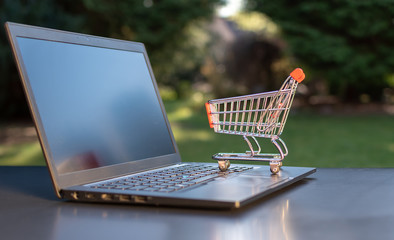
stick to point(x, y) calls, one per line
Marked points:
point(350, 43)
point(165, 27)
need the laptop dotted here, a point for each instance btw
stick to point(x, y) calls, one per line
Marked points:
point(104, 131)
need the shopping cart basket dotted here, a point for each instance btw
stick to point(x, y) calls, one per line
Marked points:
point(257, 115)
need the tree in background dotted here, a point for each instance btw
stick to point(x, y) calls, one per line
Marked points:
point(164, 26)
point(350, 43)
point(247, 56)
point(257, 57)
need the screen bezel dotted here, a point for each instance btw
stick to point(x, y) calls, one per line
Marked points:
point(96, 174)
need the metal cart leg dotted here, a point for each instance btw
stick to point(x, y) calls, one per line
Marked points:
point(252, 151)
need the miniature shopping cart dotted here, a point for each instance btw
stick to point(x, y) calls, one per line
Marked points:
point(251, 116)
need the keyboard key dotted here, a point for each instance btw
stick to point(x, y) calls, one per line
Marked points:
point(151, 189)
point(138, 188)
point(203, 179)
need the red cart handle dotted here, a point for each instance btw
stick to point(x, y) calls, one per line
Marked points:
point(209, 113)
point(298, 75)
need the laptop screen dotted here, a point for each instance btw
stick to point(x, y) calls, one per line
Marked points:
point(98, 106)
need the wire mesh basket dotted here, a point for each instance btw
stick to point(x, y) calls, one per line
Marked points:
point(261, 115)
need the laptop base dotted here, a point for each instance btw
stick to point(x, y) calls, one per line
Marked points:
point(222, 192)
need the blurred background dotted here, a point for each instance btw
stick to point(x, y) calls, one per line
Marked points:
point(342, 115)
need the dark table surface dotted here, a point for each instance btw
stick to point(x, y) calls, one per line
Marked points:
point(329, 204)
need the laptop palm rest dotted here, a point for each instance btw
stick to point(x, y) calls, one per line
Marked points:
point(249, 185)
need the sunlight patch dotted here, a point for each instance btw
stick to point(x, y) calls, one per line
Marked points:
point(180, 114)
point(391, 147)
point(187, 135)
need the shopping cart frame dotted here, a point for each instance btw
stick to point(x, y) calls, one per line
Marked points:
point(256, 115)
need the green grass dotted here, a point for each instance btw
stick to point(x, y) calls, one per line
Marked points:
point(23, 154)
point(313, 140)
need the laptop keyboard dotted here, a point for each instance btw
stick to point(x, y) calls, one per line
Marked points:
point(169, 180)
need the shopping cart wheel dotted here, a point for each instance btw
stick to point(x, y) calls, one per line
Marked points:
point(224, 165)
point(274, 168)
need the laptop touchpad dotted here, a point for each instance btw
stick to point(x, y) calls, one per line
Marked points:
point(255, 181)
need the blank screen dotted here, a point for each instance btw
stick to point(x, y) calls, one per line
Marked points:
point(97, 106)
